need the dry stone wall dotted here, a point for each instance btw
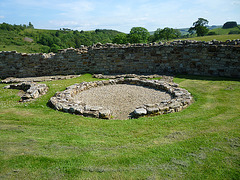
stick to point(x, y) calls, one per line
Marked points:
point(181, 57)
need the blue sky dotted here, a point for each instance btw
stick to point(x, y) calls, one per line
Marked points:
point(119, 15)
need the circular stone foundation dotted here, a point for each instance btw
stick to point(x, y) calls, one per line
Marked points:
point(121, 98)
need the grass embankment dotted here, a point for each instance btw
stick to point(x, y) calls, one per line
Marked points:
point(200, 142)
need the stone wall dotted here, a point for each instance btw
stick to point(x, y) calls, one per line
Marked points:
point(181, 57)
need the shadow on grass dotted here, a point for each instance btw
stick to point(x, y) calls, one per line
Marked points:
point(207, 78)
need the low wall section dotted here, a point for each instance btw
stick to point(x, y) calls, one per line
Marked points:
point(182, 57)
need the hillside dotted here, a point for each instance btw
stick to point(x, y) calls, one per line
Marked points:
point(13, 37)
point(221, 31)
point(212, 37)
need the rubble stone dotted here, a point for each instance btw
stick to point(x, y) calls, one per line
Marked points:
point(32, 90)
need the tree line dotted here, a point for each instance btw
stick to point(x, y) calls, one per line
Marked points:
point(53, 40)
point(9, 27)
point(141, 35)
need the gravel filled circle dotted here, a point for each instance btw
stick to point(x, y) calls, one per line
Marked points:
point(121, 99)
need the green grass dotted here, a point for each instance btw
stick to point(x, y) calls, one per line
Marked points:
point(26, 48)
point(200, 142)
point(216, 37)
point(221, 31)
point(11, 40)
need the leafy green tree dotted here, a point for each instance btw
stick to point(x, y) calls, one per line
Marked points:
point(46, 39)
point(166, 33)
point(199, 27)
point(230, 24)
point(54, 48)
point(138, 35)
point(45, 49)
point(30, 26)
point(120, 39)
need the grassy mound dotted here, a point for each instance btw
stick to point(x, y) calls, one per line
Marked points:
point(200, 142)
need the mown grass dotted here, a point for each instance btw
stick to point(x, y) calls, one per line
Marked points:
point(201, 142)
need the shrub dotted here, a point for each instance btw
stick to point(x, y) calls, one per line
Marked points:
point(230, 24)
point(212, 33)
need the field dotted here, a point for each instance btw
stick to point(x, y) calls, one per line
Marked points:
point(200, 142)
point(221, 31)
point(216, 37)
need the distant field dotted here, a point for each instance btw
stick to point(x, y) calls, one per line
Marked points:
point(216, 37)
point(221, 31)
point(200, 142)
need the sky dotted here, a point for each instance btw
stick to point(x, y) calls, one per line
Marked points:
point(119, 15)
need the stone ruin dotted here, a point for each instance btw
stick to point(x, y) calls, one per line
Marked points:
point(64, 101)
point(31, 90)
point(214, 58)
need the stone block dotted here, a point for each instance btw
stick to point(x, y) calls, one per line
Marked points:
point(94, 114)
point(139, 112)
point(152, 110)
point(105, 114)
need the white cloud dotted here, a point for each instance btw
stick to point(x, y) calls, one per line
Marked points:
point(237, 3)
point(63, 23)
point(123, 15)
point(2, 17)
point(75, 9)
point(120, 15)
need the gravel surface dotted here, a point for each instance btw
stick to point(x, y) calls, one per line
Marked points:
point(121, 99)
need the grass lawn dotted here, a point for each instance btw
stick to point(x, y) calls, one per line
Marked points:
point(200, 142)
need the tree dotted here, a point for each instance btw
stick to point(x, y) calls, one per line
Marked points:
point(166, 33)
point(199, 27)
point(54, 48)
point(30, 26)
point(230, 24)
point(138, 35)
point(120, 39)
